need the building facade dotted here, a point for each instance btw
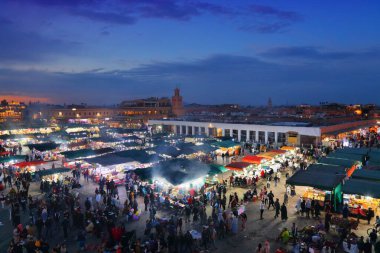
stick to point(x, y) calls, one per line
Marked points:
point(278, 134)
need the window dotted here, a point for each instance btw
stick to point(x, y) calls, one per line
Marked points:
point(227, 132)
point(261, 136)
point(271, 137)
point(281, 137)
point(252, 136)
point(243, 135)
point(235, 134)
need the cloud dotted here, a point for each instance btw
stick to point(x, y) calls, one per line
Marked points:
point(215, 79)
point(108, 17)
point(266, 28)
point(253, 18)
point(315, 53)
point(18, 45)
point(264, 10)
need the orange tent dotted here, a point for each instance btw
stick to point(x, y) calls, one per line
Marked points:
point(267, 155)
point(252, 159)
point(287, 148)
point(238, 166)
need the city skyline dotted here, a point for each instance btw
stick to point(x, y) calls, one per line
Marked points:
point(217, 52)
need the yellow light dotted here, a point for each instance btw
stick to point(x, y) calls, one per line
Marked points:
point(74, 109)
point(60, 113)
point(358, 112)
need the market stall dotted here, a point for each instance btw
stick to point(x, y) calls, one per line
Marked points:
point(349, 164)
point(360, 195)
point(323, 187)
point(254, 159)
point(226, 147)
point(83, 153)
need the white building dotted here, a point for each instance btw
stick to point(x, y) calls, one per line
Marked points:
point(288, 133)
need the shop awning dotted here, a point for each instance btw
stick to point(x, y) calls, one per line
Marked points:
point(362, 187)
point(318, 180)
point(370, 175)
point(253, 159)
point(239, 166)
point(26, 164)
point(43, 146)
point(337, 161)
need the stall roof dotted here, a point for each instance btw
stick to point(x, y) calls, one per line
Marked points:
point(225, 144)
point(267, 155)
point(205, 148)
point(371, 175)
point(43, 146)
point(374, 157)
point(372, 167)
point(287, 148)
point(358, 151)
point(166, 150)
point(362, 187)
point(124, 157)
point(278, 151)
point(86, 152)
point(106, 139)
point(322, 181)
point(253, 159)
point(326, 168)
point(48, 172)
point(337, 161)
point(347, 156)
point(239, 166)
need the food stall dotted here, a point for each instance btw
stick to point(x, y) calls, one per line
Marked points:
point(324, 187)
point(227, 147)
point(360, 195)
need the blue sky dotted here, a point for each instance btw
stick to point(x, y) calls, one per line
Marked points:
point(103, 52)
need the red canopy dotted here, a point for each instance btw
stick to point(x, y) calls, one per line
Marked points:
point(5, 153)
point(239, 166)
point(252, 159)
point(26, 164)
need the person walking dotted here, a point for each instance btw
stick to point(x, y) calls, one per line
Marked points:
point(284, 212)
point(262, 207)
point(277, 208)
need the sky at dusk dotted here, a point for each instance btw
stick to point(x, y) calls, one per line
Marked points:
point(216, 51)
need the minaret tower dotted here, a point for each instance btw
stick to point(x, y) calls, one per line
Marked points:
point(177, 104)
